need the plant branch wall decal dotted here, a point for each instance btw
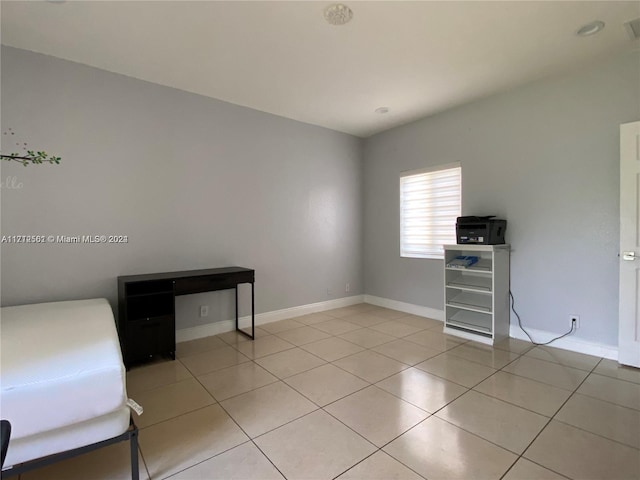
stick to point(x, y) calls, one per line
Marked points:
point(27, 156)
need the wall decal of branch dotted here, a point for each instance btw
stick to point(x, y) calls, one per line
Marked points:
point(27, 156)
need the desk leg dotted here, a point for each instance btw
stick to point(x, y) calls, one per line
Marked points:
point(253, 316)
point(237, 308)
point(238, 329)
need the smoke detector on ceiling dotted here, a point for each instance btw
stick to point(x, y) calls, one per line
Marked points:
point(590, 28)
point(338, 14)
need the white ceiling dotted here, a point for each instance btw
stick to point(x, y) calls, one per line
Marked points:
point(416, 58)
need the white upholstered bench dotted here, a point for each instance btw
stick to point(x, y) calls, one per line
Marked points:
point(62, 383)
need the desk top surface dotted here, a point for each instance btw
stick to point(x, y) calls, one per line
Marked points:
point(183, 274)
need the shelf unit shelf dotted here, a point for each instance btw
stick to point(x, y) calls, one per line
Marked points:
point(477, 297)
point(470, 301)
point(467, 282)
point(483, 266)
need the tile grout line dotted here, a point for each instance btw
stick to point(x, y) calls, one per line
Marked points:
point(444, 406)
point(364, 379)
point(244, 432)
point(468, 389)
point(369, 384)
point(605, 401)
point(597, 435)
point(464, 393)
point(452, 381)
point(509, 403)
point(520, 355)
point(356, 464)
point(144, 462)
point(562, 364)
point(379, 450)
point(283, 380)
point(538, 381)
point(550, 420)
point(173, 418)
point(615, 378)
point(463, 429)
point(268, 459)
point(595, 398)
point(180, 415)
point(319, 409)
point(333, 401)
point(215, 402)
point(203, 461)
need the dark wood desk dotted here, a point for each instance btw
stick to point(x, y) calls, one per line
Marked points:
point(146, 307)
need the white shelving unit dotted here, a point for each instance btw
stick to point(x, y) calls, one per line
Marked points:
point(476, 298)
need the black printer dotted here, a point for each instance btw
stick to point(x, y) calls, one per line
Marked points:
point(480, 230)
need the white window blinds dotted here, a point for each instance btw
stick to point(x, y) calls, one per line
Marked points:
point(429, 205)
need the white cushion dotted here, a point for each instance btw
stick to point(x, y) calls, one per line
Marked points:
point(61, 365)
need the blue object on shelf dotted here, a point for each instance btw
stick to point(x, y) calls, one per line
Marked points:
point(463, 261)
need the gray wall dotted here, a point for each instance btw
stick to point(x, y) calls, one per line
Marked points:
point(194, 183)
point(545, 157)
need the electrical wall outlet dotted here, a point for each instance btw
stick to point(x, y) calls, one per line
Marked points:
point(204, 310)
point(328, 292)
point(347, 287)
point(575, 321)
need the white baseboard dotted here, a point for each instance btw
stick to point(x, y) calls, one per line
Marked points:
point(566, 343)
point(201, 331)
point(405, 307)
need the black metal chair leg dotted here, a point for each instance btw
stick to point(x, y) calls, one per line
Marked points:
point(133, 443)
point(5, 434)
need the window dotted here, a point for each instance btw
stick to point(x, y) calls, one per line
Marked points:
point(429, 205)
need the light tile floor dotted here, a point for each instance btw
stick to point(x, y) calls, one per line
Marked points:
point(364, 392)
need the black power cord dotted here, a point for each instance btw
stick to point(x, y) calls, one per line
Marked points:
point(513, 301)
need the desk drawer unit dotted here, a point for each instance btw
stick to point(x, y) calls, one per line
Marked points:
point(146, 320)
point(149, 336)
